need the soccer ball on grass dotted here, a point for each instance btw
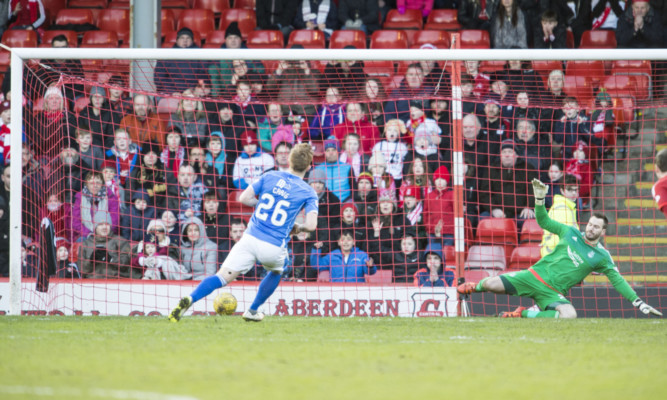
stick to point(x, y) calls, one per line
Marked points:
point(225, 304)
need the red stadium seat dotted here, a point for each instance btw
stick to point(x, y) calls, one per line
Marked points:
point(121, 4)
point(72, 37)
point(544, 67)
point(116, 19)
point(580, 87)
point(175, 4)
point(214, 40)
point(593, 69)
point(411, 19)
point(265, 40)
point(486, 257)
point(168, 21)
point(214, 5)
point(491, 66)
point(598, 39)
point(20, 38)
point(76, 16)
point(341, 38)
point(475, 39)
point(99, 39)
point(620, 86)
point(87, 3)
point(476, 275)
point(437, 38)
point(381, 276)
point(641, 71)
point(531, 232)
point(498, 231)
point(199, 20)
point(308, 38)
point(236, 14)
point(249, 4)
point(170, 39)
point(384, 39)
point(379, 68)
point(445, 19)
point(4, 61)
point(524, 257)
point(235, 207)
point(569, 39)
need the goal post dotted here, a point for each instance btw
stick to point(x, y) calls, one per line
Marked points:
point(138, 57)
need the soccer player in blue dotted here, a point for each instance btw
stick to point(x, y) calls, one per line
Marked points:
point(278, 197)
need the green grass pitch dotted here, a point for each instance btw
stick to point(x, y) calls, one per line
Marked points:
point(331, 358)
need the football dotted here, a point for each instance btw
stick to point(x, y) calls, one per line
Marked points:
point(225, 304)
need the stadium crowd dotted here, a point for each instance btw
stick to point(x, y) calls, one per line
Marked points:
point(134, 192)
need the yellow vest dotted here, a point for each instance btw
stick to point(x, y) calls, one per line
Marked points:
point(564, 211)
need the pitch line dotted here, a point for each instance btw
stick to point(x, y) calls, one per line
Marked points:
point(45, 391)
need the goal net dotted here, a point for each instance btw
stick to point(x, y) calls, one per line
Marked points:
point(422, 165)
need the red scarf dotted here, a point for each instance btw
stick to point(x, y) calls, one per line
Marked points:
point(597, 22)
point(414, 123)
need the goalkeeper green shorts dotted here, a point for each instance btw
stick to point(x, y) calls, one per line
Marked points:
point(525, 284)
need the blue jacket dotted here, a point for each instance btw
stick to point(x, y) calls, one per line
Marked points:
point(352, 271)
point(423, 278)
point(326, 119)
point(339, 178)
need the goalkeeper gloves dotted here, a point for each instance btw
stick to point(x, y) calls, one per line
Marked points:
point(645, 308)
point(540, 190)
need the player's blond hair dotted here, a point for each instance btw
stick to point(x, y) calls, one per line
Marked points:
point(301, 157)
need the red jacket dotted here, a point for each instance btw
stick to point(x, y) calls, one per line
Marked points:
point(582, 170)
point(439, 206)
point(369, 133)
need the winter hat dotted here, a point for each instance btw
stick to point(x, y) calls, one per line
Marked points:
point(442, 172)
point(233, 30)
point(387, 196)
point(141, 195)
point(185, 31)
point(434, 248)
point(248, 137)
point(602, 95)
point(317, 175)
point(413, 191)
point(508, 144)
point(4, 106)
point(97, 90)
point(102, 217)
point(53, 90)
point(492, 98)
point(283, 134)
point(345, 206)
point(365, 175)
point(331, 144)
point(155, 224)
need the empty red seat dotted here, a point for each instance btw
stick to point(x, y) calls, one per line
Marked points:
point(72, 37)
point(381, 276)
point(117, 20)
point(265, 40)
point(641, 70)
point(531, 232)
point(486, 257)
point(379, 68)
point(87, 3)
point(236, 14)
point(20, 38)
point(579, 87)
point(99, 39)
point(437, 38)
point(199, 20)
point(168, 21)
point(544, 67)
point(385, 39)
point(525, 256)
point(598, 39)
point(410, 19)
point(76, 16)
point(170, 39)
point(620, 86)
point(445, 19)
point(122, 4)
point(308, 38)
point(475, 39)
point(249, 4)
point(175, 4)
point(487, 66)
point(498, 231)
point(235, 207)
point(593, 69)
point(214, 40)
point(341, 38)
point(216, 6)
point(476, 275)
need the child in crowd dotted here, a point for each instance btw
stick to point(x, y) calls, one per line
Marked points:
point(215, 219)
point(174, 154)
point(406, 262)
point(382, 180)
point(393, 150)
point(347, 263)
point(351, 222)
point(523, 110)
point(387, 228)
point(64, 267)
point(365, 197)
point(467, 97)
point(554, 178)
point(580, 167)
point(215, 154)
point(420, 123)
point(603, 118)
point(329, 115)
point(352, 155)
point(564, 210)
point(60, 214)
point(549, 34)
point(134, 222)
point(572, 127)
point(156, 262)
point(413, 208)
point(91, 155)
point(124, 154)
point(172, 229)
point(251, 163)
point(198, 253)
point(435, 274)
point(418, 174)
point(159, 229)
point(439, 210)
point(112, 182)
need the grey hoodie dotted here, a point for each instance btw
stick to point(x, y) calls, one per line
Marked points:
point(199, 258)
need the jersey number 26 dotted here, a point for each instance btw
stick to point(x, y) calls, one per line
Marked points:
point(279, 215)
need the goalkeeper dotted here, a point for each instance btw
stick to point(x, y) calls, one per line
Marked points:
point(548, 281)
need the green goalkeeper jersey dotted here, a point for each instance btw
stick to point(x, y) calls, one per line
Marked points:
point(574, 258)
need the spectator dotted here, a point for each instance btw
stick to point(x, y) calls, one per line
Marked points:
point(471, 186)
point(124, 154)
point(419, 121)
point(134, 223)
point(293, 82)
point(606, 13)
point(356, 122)
point(347, 263)
point(27, 15)
point(417, 174)
point(320, 15)
point(186, 197)
point(172, 227)
point(199, 254)
point(468, 98)
point(143, 126)
point(436, 79)
point(603, 118)
point(64, 267)
point(572, 127)
point(640, 27)
point(495, 129)
point(52, 123)
point(229, 121)
point(373, 94)
point(112, 182)
point(508, 26)
point(156, 262)
point(439, 209)
point(268, 126)
point(350, 221)
point(175, 76)
point(501, 91)
point(521, 77)
point(250, 110)
point(522, 109)
point(435, 274)
point(505, 194)
point(149, 177)
point(580, 166)
point(216, 221)
point(251, 163)
point(119, 104)
point(190, 118)
point(328, 208)
point(564, 210)
point(412, 210)
point(67, 172)
point(351, 154)
point(216, 158)
point(339, 175)
point(164, 245)
point(173, 156)
point(534, 147)
point(382, 180)
point(365, 197)
point(299, 127)
point(103, 255)
point(411, 87)
point(481, 82)
point(91, 155)
point(330, 114)
point(549, 34)
point(387, 228)
point(95, 201)
point(54, 70)
point(97, 118)
point(393, 150)
point(281, 155)
point(59, 212)
point(474, 14)
point(555, 84)
point(425, 6)
point(226, 73)
point(406, 262)
point(359, 15)
point(236, 229)
point(555, 177)
point(347, 76)
point(276, 15)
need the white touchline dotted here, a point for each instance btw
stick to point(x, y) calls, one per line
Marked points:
point(45, 391)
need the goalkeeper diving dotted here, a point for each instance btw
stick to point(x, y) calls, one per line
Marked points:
point(549, 280)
